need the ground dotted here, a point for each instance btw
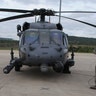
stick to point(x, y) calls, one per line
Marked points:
point(32, 82)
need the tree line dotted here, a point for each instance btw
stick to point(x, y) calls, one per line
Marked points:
point(8, 44)
point(82, 44)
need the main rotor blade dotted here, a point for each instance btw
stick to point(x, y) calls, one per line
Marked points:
point(78, 21)
point(75, 11)
point(16, 17)
point(14, 10)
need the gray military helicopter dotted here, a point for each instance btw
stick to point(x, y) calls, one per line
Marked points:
point(42, 43)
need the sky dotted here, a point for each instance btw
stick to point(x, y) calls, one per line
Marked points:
point(72, 28)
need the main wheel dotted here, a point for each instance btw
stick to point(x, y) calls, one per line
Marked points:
point(58, 67)
point(18, 67)
point(66, 69)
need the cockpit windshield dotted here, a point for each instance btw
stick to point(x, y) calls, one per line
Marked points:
point(31, 37)
point(56, 37)
point(43, 37)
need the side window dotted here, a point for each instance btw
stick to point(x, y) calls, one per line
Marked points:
point(65, 42)
point(31, 37)
point(21, 42)
point(56, 37)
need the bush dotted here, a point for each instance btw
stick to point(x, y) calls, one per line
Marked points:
point(83, 48)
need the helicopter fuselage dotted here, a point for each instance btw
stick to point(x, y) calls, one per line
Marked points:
point(42, 44)
point(46, 46)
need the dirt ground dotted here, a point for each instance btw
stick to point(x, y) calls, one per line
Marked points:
point(32, 82)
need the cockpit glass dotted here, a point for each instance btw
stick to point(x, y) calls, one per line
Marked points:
point(44, 37)
point(56, 37)
point(31, 37)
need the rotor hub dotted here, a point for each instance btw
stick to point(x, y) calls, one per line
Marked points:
point(43, 11)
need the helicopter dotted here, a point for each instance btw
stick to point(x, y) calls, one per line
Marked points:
point(42, 43)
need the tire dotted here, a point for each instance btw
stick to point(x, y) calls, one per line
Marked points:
point(58, 67)
point(66, 69)
point(17, 68)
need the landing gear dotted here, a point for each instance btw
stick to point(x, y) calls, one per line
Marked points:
point(66, 69)
point(12, 54)
point(18, 67)
point(58, 67)
point(14, 62)
point(69, 64)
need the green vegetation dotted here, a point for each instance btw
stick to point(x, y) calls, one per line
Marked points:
point(81, 44)
point(82, 41)
point(6, 44)
point(83, 48)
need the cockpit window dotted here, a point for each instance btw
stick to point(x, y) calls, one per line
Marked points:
point(44, 37)
point(31, 37)
point(56, 37)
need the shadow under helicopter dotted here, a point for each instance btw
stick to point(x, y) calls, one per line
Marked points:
point(35, 73)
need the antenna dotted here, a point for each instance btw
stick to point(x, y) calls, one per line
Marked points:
point(60, 11)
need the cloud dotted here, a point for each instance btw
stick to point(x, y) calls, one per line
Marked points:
point(70, 27)
point(27, 2)
point(31, 1)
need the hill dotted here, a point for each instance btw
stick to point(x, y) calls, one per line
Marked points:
point(82, 44)
point(8, 43)
point(81, 41)
point(6, 38)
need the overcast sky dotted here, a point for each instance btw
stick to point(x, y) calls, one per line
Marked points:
point(8, 29)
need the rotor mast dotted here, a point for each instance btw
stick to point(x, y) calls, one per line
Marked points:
point(42, 15)
point(42, 18)
point(43, 12)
